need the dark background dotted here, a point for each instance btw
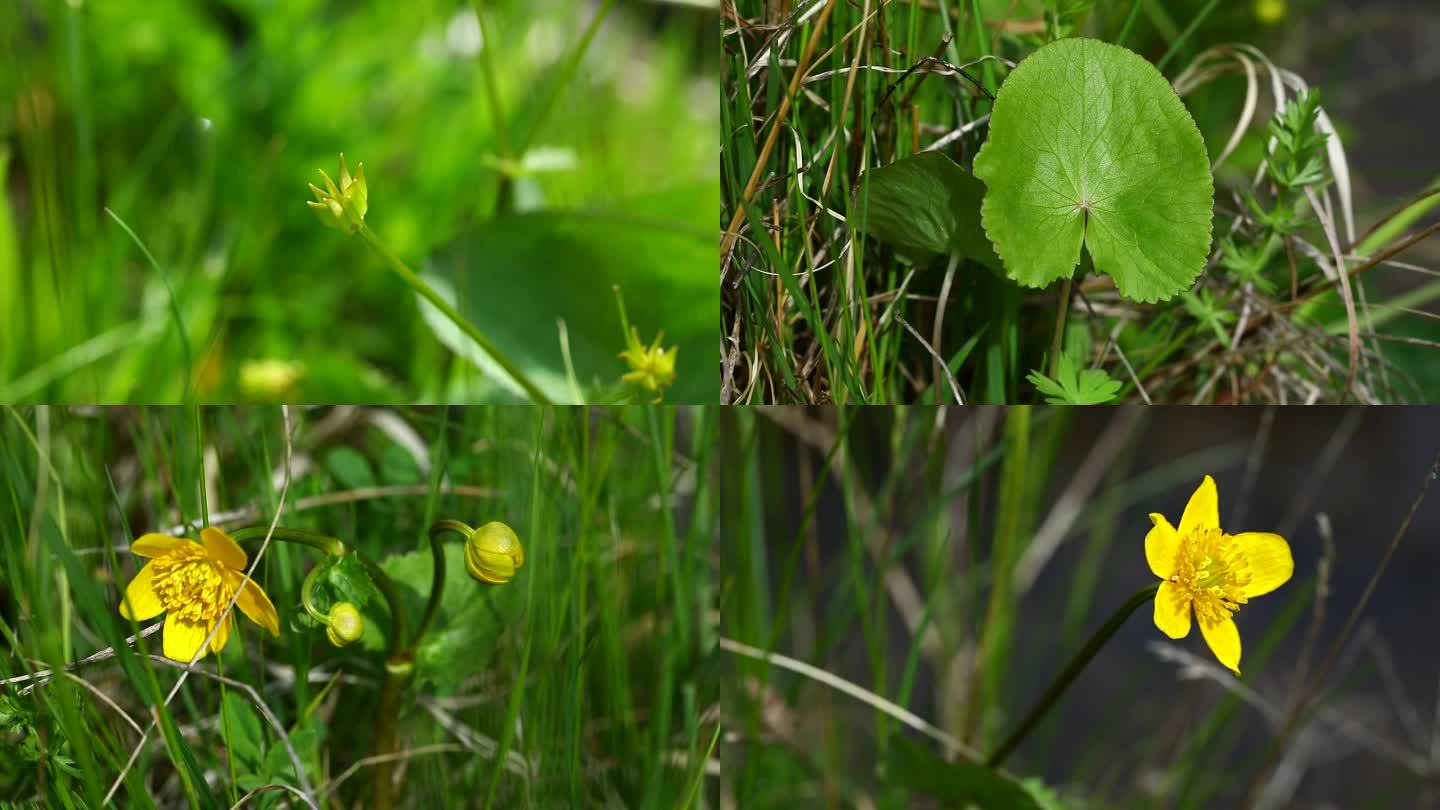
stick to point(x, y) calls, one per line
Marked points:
point(1362, 467)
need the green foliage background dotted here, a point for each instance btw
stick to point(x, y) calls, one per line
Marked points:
point(588, 675)
point(199, 124)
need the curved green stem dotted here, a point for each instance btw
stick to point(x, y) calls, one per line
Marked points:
point(1067, 676)
point(307, 596)
point(437, 582)
point(399, 665)
point(386, 587)
point(333, 546)
point(425, 290)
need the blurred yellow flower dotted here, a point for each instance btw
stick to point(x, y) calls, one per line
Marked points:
point(342, 208)
point(193, 583)
point(493, 552)
point(1212, 572)
point(345, 624)
point(268, 379)
point(1270, 12)
point(651, 367)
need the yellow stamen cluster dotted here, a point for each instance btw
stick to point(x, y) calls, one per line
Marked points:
point(191, 584)
point(1213, 569)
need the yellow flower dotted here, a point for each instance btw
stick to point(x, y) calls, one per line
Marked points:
point(493, 552)
point(345, 625)
point(651, 367)
point(1213, 572)
point(193, 583)
point(342, 208)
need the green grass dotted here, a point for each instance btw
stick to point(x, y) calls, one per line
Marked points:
point(585, 681)
point(913, 560)
point(820, 311)
point(572, 152)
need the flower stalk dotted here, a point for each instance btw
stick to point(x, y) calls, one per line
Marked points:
point(500, 548)
point(429, 294)
point(1067, 676)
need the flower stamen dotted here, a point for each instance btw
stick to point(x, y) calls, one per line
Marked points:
point(1211, 566)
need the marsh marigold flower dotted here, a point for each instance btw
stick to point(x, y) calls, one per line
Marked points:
point(1211, 572)
point(493, 552)
point(192, 583)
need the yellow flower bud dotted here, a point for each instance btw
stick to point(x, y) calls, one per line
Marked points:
point(493, 552)
point(345, 625)
point(343, 207)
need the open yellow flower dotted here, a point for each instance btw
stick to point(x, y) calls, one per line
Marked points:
point(1213, 572)
point(193, 583)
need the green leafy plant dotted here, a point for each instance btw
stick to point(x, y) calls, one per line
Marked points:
point(1089, 145)
point(927, 205)
point(1069, 387)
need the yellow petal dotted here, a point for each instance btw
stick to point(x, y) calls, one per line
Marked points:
point(222, 548)
point(140, 601)
point(222, 635)
point(155, 545)
point(254, 603)
point(1160, 546)
point(1203, 511)
point(1224, 640)
point(1270, 562)
point(1172, 610)
point(183, 639)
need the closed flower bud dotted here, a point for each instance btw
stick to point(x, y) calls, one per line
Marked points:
point(342, 207)
point(345, 625)
point(493, 552)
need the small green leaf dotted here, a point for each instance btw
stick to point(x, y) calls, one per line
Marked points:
point(958, 784)
point(1088, 387)
point(925, 204)
point(242, 725)
point(469, 621)
point(1089, 145)
point(350, 468)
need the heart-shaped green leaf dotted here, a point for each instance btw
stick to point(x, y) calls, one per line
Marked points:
point(1090, 145)
point(517, 276)
point(927, 205)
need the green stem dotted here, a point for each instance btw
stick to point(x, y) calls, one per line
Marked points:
point(307, 596)
point(397, 675)
point(1058, 341)
point(398, 662)
point(1129, 21)
point(1067, 676)
point(386, 587)
point(425, 290)
point(437, 582)
point(1185, 35)
point(399, 665)
point(509, 166)
point(563, 78)
point(333, 546)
